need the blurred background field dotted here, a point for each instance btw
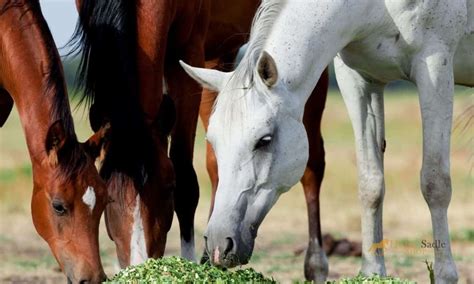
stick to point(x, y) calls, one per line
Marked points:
point(24, 257)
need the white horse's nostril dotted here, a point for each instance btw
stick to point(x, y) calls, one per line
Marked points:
point(216, 255)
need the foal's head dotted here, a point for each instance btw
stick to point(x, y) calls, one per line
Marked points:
point(261, 149)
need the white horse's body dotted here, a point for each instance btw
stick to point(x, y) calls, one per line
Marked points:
point(373, 43)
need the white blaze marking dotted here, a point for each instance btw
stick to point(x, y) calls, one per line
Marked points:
point(117, 267)
point(187, 249)
point(165, 86)
point(138, 252)
point(89, 198)
point(216, 256)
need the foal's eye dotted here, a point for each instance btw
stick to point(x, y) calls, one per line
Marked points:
point(59, 208)
point(264, 141)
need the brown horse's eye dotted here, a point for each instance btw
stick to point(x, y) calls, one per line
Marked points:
point(59, 208)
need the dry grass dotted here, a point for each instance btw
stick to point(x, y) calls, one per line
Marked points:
point(25, 257)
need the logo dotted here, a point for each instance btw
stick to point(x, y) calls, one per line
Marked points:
point(405, 247)
point(380, 247)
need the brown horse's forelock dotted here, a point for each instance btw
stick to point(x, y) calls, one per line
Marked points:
point(72, 160)
point(106, 36)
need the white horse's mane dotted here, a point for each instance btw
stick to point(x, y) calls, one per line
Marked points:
point(243, 77)
point(262, 24)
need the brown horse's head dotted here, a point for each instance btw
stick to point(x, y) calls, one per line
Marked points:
point(68, 200)
point(139, 216)
point(69, 196)
point(140, 211)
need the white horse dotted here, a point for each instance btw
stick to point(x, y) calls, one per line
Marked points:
point(256, 128)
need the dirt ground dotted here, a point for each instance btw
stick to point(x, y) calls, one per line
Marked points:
point(25, 257)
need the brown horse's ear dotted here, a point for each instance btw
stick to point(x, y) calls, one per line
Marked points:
point(55, 141)
point(96, 145)
point(166, 116)
point(267, 69)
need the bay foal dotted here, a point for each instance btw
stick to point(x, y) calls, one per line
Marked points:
point(68, 194)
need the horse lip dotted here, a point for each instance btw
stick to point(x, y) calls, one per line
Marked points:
point(245, 261)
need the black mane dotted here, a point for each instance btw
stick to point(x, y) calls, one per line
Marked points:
point(106, 36)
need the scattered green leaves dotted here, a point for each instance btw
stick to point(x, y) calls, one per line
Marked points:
point(178, 270)
point(429, 266)
point(375, 279)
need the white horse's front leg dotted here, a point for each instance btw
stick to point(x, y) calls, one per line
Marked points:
point(364, 102)
point(433, 73)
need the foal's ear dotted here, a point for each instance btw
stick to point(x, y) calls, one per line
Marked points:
point(96, 145)
point(55, 141)
point(209, 78)
point(267, 69)
point(166, 116)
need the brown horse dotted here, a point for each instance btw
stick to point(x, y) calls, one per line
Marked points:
point(68, 194)
point(128, 48)
point(228, 31)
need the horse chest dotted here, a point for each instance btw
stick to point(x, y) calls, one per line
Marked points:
point(464, 62)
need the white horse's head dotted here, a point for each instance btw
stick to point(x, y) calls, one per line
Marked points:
point(261, 146)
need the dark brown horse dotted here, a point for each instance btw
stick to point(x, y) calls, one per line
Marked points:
point(229, 29)
point(68, 194)
point(128, 48)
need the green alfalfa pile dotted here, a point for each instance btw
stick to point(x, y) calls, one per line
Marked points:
point(178, 270)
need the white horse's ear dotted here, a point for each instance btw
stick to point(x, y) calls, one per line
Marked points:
point(267, 69)
point(209, 78)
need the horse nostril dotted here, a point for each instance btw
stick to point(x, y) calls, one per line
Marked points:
point(84, 282)
point(206, 248)
point(229, 246)
point(103, 278)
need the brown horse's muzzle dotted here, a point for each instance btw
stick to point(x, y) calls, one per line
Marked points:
point(83, 273)
point(79, 266)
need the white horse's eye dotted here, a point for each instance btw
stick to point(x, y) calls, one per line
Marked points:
point(264, 141)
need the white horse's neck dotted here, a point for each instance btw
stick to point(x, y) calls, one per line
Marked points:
point(323, 28)
point(307, 35)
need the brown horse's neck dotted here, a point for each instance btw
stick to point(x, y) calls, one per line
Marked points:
point(29, 74)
